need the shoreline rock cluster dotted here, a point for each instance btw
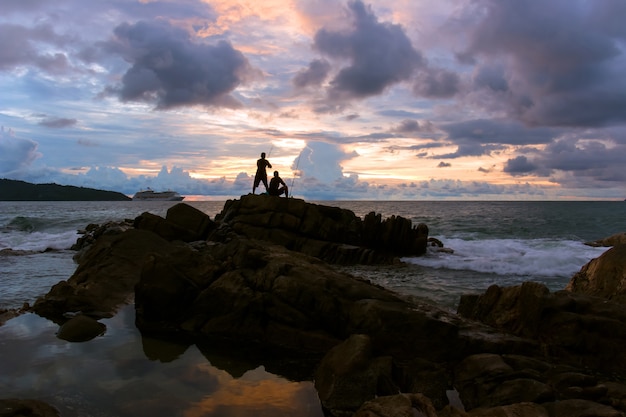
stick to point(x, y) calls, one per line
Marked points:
point(260, 275)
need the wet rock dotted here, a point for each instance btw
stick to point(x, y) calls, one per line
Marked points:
point(486, 380)
point(349, 375)
point(581, 408)
point(614, 240)
point(106, 277)
point(514, 410)
point(400, 405)
point(80, 328)
point(604, 276)
point(578, 329)
point(12, 407)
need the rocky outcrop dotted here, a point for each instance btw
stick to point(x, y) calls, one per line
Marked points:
point(330, 233)
point(578, 329)
point(252, 291)
point(604, 276)
point(240, 281)
point(110, 258)
point(106, 276)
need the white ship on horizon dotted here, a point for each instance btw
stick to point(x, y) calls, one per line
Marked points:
point(151, 195)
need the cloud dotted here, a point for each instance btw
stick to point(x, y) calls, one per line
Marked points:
point(471, 149)
point(313, 76)
point(21, 46)
point(14, 6)
point(379, 54)
point(436, 83)
point(444, 165)
point(561, 62)
point(171, 70)
point(16, 154)
point(321, 161)
point(574, 163)
point(519, 165)
point(488, 131)
point(57, 123)
point(409, 126)
point(486, 170)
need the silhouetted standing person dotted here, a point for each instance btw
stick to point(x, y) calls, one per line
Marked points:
point(275, 188)
point(261, 174)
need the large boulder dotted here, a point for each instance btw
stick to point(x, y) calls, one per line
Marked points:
point(182, 222)
point(349, 375)
point(604, 276)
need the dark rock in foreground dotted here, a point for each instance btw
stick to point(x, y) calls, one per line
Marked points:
point(512, 351)
point(13, 407)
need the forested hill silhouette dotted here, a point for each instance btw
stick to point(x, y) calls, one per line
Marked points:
point(13, 190)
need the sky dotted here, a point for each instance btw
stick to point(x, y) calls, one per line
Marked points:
point(350, 100)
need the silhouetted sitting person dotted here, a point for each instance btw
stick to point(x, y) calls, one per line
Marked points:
point(275, 186)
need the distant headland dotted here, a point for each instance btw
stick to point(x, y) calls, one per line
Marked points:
point(13, 190)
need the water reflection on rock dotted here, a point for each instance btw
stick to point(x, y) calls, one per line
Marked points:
point(123, 373)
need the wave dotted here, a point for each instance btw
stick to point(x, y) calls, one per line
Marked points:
point(38, 241)
point(522, 257)
point(24, 224)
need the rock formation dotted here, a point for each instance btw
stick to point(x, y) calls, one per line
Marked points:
point(330, 233)
point(613, 240)
point(604, 276)
point(256, 276)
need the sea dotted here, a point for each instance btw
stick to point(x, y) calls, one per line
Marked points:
point(121, 373)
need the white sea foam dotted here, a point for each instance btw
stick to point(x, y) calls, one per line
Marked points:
point(528, 257)
point(38, 241)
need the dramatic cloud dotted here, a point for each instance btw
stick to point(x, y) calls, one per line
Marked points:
point(356, 98)
point(380, 55)
point(574, 163)
point(168, 68)
point(562, 66)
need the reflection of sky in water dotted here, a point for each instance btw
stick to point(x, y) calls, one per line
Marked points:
point(121, 374)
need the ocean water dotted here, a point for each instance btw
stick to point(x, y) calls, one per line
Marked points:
point(123, 374)
point(501, 243)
